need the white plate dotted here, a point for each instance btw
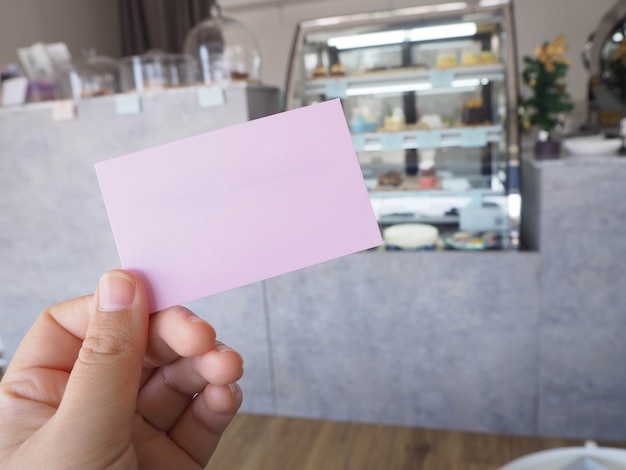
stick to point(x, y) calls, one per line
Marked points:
point(592, 145)
point(590, 457)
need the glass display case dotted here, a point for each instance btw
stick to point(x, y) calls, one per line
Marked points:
point(604, 56)
point(430, 95)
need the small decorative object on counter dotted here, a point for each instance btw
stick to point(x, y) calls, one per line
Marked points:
point(8, 71)
point(225, 49)
point(545, 75)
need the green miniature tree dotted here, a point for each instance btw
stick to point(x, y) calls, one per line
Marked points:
point(545, 74)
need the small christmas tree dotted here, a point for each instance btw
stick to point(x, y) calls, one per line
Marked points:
point(545, 74)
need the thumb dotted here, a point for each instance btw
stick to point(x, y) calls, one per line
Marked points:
point(101, 394)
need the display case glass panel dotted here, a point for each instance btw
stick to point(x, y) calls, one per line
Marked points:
point(430, 95)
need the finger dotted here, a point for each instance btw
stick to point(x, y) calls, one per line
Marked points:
point(156, 451)
point(173, 333)
point(101, 393)
point(166, 395)
point(177, 332)
point(201, 426)
point(221, 366)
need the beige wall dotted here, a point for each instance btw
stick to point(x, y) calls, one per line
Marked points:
point(84, 23)
point(79, 23)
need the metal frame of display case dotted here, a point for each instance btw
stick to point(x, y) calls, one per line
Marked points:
point(505, 72)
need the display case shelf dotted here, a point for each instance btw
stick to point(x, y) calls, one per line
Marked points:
point(464, 137)
point(438, 80)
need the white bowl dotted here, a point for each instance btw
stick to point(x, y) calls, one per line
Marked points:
point(589, 457)
point(592, 145)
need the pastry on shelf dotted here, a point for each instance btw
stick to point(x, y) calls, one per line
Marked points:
point(427, 176)
point(474, 112)
point(471, 58)
point(337, 70)
point(391, 179)
point(395, 122)
point(320, 71)
point(430, 122)
point(446, 60)
point(362, 120)
point(488, 57)
point(411, 237)
point(473, 241)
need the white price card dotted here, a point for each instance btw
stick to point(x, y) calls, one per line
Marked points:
point(63, 110)
point(359, 142)
point(128, 103)
point(14, 91)
point(428, 139)
point(441, 78)
point(211, 96)
point(473, 137)
point(392, 140)
point(336, 88)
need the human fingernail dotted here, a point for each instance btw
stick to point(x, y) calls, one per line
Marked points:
point(116, 291)
point(221, 347)
point(196, 319)
point(235, 389)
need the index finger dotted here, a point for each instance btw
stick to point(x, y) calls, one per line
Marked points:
point(174, 333)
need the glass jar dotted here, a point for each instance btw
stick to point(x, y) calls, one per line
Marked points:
point(224, 49)
point(156, 70)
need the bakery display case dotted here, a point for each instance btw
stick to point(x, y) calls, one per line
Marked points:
point(430, 95)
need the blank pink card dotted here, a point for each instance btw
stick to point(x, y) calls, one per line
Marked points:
point(238, 205)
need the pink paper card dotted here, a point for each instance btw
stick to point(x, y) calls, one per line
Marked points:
point(239, 205)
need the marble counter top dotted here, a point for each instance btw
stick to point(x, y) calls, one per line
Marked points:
point(578, 161)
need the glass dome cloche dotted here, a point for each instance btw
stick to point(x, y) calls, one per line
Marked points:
point(225, 50)
point(91, 76)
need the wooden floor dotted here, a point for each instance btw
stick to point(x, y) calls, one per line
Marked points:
point(269, 443)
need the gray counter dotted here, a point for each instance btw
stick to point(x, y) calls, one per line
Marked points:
point(513, 342)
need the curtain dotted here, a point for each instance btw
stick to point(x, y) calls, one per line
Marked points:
point(159, 24)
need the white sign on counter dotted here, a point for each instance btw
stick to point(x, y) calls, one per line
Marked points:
point(14, 91)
